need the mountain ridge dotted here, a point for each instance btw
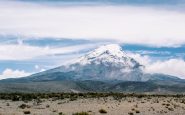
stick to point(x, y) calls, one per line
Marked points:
point(107, 62)
point(107, 66)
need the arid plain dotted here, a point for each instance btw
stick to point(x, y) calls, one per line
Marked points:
point(96, 105)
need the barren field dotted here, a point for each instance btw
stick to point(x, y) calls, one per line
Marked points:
point(94, 105)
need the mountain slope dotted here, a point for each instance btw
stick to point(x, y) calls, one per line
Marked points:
point(105, 62)
point(107, 68)
point(108, 62)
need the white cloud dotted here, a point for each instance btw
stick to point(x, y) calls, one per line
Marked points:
point(173, 67)
point(42, 70)
point(127, 24)
point(37, 67)
point(145, 52)
point(141, 25)
point(144, 60)
point(9, 73)
point(26, 52)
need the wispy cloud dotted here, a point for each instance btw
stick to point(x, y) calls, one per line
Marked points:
point(127, 24)
point(9, 73)
point(25, 27)
point(26, 52)
point(174, 66)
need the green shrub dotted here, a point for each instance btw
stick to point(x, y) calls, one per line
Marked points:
point(137, 111)
point(61, 113)
point(102, 111)
point(170, 109)
point(23, 106)
point(27, 112)
point(130, 113)
point(7, 104)
point(47, 106)
point(81, 113)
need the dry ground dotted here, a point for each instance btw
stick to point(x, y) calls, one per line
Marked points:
point(123, 106)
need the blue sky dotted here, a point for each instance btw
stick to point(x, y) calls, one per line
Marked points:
point(36, 35)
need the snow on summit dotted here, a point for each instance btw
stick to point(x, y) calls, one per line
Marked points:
point(111, 49)
point(105, 62)
point(111, 54)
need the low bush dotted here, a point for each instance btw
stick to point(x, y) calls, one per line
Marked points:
point(27, 112)
point(130, 113)
point(137, 111)
point(102, 111)
point(61, 113)
point(23, 106)
point(81, 113)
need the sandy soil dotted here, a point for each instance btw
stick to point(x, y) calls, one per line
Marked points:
point(124, 106)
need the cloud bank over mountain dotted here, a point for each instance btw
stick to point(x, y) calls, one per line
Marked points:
point(172, 66)
point(128, 24)
point(48, 34)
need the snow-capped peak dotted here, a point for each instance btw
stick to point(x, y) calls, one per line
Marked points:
point(111, 54)
point(110, 49)
point(105, 62)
